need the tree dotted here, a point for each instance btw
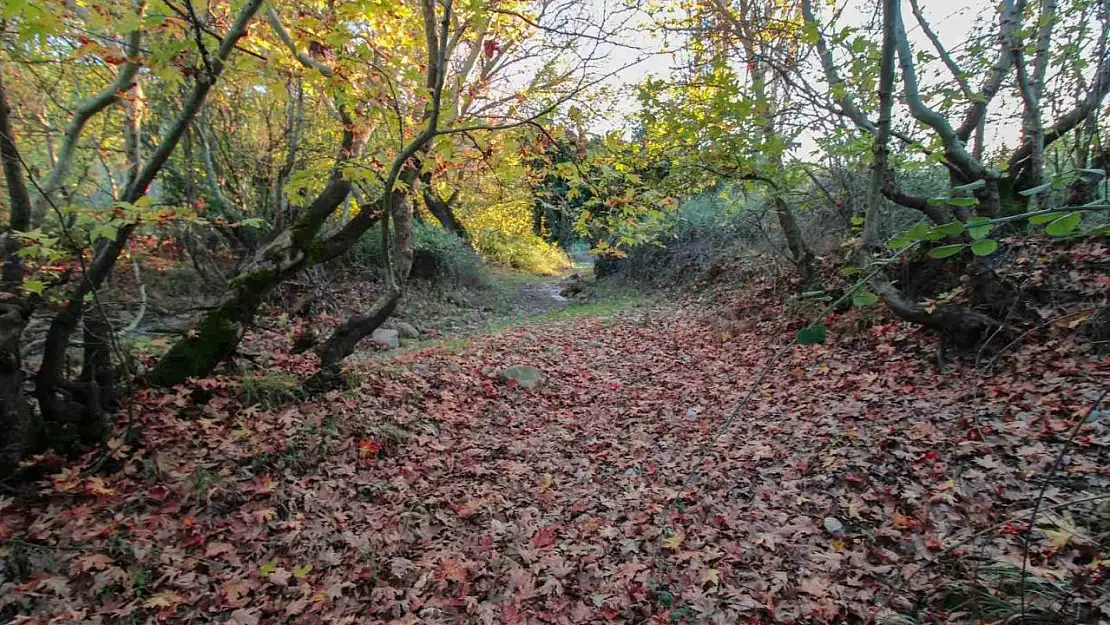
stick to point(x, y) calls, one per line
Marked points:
point(973, 183)
point(61, 401)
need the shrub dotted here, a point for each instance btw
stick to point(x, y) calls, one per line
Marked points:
point(438, 256)
point(526, 252)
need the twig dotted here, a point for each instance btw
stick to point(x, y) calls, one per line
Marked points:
point(1044, 487)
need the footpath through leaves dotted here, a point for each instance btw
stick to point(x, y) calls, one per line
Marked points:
point(855, 484)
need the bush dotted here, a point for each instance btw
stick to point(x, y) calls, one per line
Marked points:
point(701, 230)
point(525, 252)
point(438, 256)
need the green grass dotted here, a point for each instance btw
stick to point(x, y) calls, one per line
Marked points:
point(603, 308)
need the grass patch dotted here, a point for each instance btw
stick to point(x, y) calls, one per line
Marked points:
point(270, 390)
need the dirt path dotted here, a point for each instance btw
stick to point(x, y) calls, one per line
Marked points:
point(433, 492)
point(543, 296)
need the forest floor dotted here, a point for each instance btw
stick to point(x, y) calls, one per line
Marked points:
point(631, 485)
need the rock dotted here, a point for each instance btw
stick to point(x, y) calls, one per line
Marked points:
point(528, 336)
point(406, 330)
point(386, 338)
point(525, 376)
point(834, 526)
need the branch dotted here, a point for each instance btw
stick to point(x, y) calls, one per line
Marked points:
point(973, 118)
point(84, 112)
point(847, 102)
point(19, 218)
point(1032, 131)
point(869, 236)
point(304, 58)
point(949, 62)
point(953, 146)
point(1068, 121)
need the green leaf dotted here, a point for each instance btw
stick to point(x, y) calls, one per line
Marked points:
point(1064, 225)
point(980, 231)
point(985, 247)
point(949, 229)
point(812, 335)
point(1096, 172)
point(979, 227)
point(850, 271)
point(1043, 219)
point(857, 221)
point(945, 251)
point(300, 572)
point(34, 286)
point(268, 568)
point(864, 298)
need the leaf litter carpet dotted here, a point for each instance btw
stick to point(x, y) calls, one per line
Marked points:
point(434, 492)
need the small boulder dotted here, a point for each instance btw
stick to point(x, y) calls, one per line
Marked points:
point(386, 338)
point(406, 330)
point(834, 527)
point(525, 376)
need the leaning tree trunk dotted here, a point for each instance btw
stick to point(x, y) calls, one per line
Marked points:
point(442, 209)
point(221, 329)
point(342, 342)
point(346, 337)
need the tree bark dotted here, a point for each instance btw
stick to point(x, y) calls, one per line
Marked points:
point(18, 424)
point(795, 242)
point(1084, 189)
point(442, 209)
point(220, 330)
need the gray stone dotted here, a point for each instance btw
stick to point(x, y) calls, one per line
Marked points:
point(525, 376)
point(834, 526)
point(406, 330)
point(386, 338)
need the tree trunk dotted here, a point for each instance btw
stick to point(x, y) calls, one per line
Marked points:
point(221, 329)
point(1084, 189)
point(346, 337)
point(442, 209)
point(18, 424)
point(802, 255)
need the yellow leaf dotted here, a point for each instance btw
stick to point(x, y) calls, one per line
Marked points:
point(268, 568)
point(1058, 538)
point(674, 541)
point(166, 599)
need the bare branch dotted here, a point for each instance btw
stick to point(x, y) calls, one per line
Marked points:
point(949, 62)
